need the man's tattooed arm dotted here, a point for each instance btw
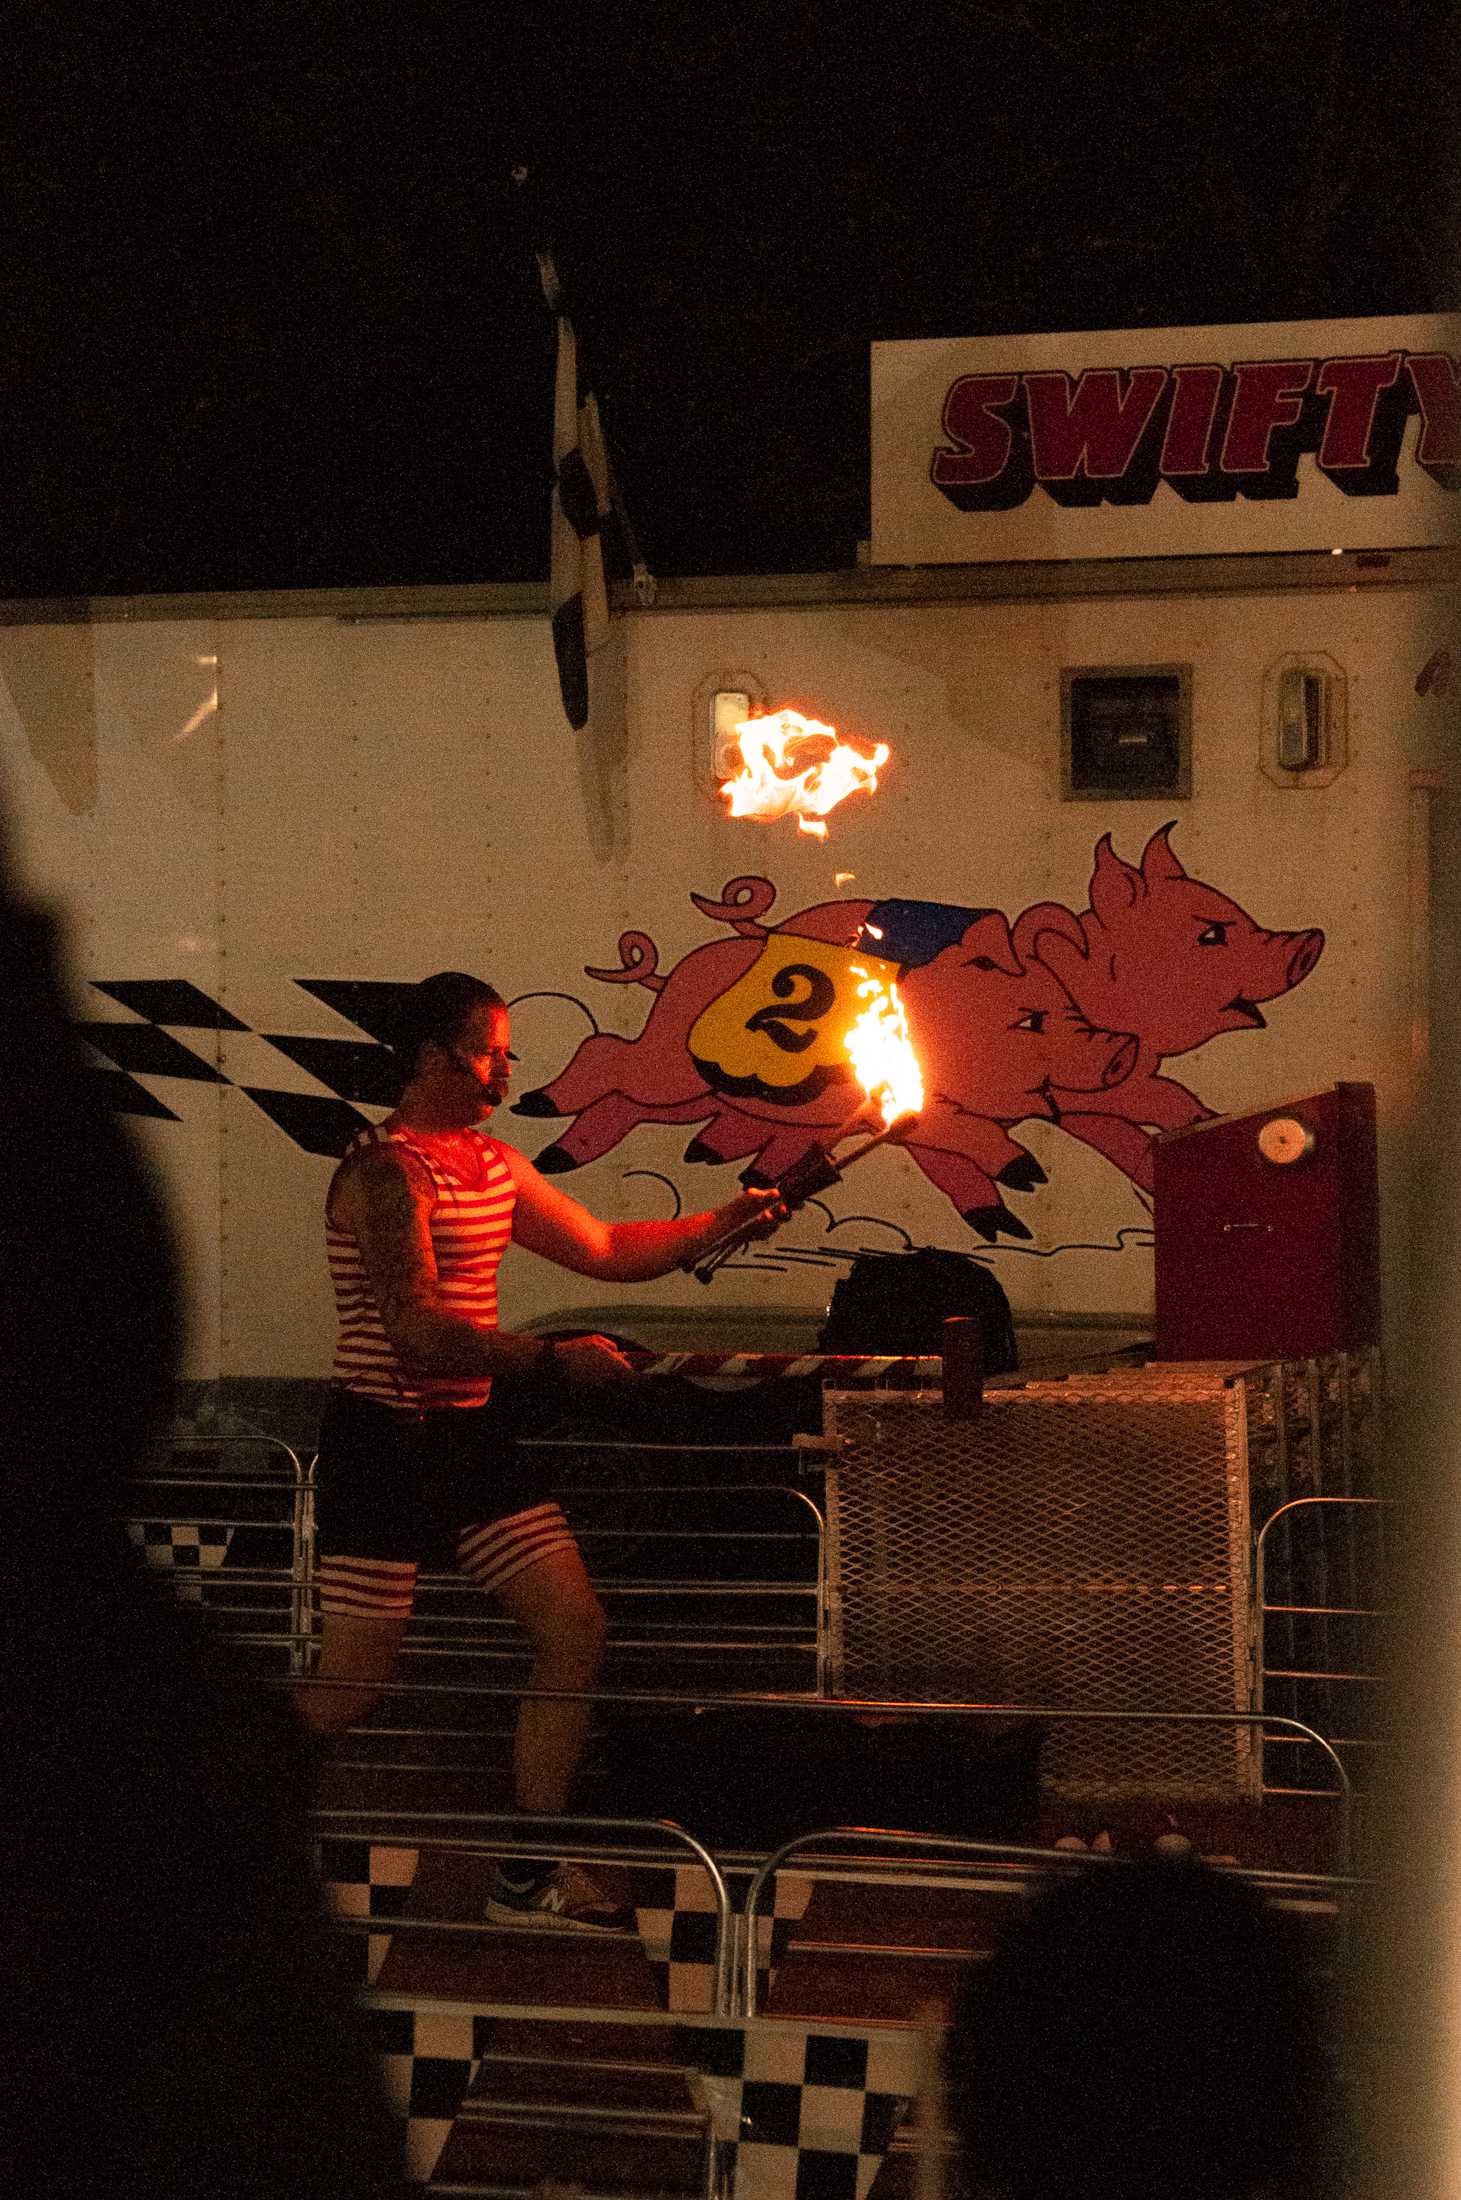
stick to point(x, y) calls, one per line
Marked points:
point(385, 1199)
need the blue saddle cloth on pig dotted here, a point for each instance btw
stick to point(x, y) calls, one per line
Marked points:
point(913, 932)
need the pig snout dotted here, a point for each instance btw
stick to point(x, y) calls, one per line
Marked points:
point(1122, 1062)
point(1091, 1059)
point(1306, 949)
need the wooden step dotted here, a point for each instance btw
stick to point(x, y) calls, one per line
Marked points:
point(498, 2155)
point(854, 1985)
point(872, 1912)
point(574, 2083)
point(880, 1952)
point(589, 2105)
point(590, 2040)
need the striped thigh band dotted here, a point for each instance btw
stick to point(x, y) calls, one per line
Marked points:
point(367, 1588)
point(491, 1554)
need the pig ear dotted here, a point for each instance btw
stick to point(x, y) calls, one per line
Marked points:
point(1045, 917)
point(1157, 859)
point(989, 937)
point(1115, 884)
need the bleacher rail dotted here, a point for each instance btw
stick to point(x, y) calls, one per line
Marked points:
point(1262, 1610)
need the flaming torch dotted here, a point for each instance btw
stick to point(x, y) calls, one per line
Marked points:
point(886, 1066)
point(796, 766)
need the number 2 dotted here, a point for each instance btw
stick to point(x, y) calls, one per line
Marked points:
point(805, 1008)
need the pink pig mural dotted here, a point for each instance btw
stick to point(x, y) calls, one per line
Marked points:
point(1178, 963)
point(1059, 1017)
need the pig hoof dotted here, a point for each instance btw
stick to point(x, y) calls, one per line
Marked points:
point(553, 1160)
point(697, 1150)
point(1022, 1174)
point(989, 1221)
point(535, 1103)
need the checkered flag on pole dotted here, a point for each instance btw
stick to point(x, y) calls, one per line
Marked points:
point(585, 493)
point(582, 501)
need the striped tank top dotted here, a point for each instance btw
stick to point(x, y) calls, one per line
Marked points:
point(471, 1224)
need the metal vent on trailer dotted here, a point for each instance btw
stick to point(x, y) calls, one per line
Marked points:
point(1126, 731)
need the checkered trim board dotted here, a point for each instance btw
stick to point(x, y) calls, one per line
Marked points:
point(803, 2113)
point(183, 1549)
point(675, 1912)
point(364, 1879)
point(797, 2111)
point(428, 2061)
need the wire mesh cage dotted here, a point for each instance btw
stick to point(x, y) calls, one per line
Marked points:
point(1082, 1543)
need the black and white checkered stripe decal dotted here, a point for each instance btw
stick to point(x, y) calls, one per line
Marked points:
point(581, 504)
point(166, 1041)
point(803, 2113)
point(182, 1549)
point(800, 2112)
point(675, 1912)
point(364, 1879)
point(428, 2060)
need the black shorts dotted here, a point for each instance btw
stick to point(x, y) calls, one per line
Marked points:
point(404, 1486)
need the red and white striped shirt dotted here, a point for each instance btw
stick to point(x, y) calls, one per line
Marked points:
point(471, 1224)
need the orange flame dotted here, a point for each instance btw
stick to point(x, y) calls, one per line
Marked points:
point(791, 765)
point(881, 1051)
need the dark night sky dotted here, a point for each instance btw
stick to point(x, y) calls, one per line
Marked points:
point(274, 321)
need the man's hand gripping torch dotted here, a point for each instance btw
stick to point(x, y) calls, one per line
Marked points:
point(815, 1172)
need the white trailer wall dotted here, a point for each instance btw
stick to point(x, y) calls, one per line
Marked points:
point(248, 801)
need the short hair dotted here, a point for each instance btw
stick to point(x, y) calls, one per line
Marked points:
point(1146, 2029)
point(438, 1011)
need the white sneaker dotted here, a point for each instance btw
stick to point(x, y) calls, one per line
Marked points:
point(566, 1900)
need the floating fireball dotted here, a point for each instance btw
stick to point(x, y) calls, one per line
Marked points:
point(881, 1051)
point(796, 766)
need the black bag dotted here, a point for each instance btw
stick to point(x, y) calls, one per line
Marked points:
point(896, 1302)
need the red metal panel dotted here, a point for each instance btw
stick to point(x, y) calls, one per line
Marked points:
point(1270, 1258)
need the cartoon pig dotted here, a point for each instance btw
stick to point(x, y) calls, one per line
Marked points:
point(746, 1038)
point(1171, 959)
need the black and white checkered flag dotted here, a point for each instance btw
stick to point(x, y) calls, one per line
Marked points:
point(582, 501)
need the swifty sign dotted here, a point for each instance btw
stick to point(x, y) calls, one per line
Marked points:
point(1209, 431)
point(1352, 430)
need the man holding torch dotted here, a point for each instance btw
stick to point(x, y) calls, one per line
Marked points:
point(418, 1216)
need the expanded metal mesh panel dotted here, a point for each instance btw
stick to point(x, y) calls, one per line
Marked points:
point(1081, 1543)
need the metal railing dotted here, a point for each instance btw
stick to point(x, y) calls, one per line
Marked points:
point(872, 1855)
point(1342, 1793)
point(298, 1637)
point(1311, 1679)
point(206, 1488)
point(191, 1503)
point(890, 1855)
point(968, 1857)
point(736, 1962)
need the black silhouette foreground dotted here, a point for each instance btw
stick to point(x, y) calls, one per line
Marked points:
point(1144, 2031)
point(174, 2023)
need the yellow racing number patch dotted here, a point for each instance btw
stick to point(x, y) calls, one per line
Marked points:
point(780, 1032)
